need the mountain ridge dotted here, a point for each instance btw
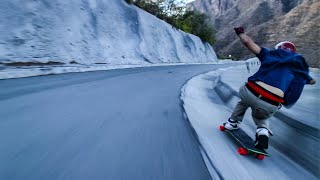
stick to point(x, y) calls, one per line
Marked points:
point(294, 21)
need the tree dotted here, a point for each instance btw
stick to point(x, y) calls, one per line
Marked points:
point(198, 24)
point(174, 13)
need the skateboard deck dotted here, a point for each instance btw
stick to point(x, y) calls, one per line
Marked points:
point(246, 143)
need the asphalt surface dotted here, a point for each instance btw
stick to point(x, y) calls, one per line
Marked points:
point(118, 124)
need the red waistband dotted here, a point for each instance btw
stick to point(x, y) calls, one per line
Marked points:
point(265, 93)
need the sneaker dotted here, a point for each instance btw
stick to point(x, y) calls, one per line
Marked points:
point(231, 124)
point(262, 138)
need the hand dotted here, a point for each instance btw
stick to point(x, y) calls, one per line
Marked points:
point(239, 30)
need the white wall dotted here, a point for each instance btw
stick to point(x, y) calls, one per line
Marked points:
point(92, 31)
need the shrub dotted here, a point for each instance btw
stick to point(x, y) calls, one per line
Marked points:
point(174, 13)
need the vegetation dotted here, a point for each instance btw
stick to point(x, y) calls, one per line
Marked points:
point(174, 12)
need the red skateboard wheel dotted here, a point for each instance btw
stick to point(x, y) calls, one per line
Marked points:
point(242, 151)
point(260, 156)
point(222, 128)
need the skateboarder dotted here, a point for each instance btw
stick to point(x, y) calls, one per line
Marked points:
point(279, 81)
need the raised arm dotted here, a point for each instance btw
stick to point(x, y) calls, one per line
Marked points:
point(247, 41)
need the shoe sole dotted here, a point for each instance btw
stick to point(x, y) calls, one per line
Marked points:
point(233, 128)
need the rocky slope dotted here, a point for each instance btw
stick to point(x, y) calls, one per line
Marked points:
point(267, 22)
point(91, 32)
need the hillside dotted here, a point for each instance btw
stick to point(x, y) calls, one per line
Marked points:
point(91, 32)
point(267, 22)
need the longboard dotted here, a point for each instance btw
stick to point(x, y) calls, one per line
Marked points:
point(246, 143)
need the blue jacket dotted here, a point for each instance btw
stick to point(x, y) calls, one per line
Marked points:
point(285, 70)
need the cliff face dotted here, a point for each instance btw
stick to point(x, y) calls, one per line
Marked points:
point(267, 22)
point(92, 31)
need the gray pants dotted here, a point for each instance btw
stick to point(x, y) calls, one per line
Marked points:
point(261, 110)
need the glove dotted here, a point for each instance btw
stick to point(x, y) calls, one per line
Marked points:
point(239, 30)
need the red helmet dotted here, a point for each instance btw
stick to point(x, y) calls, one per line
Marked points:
point(286, 45)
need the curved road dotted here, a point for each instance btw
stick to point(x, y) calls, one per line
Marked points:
point(119, 124)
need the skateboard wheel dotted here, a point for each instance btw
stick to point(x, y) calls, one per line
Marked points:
point(260, 156)
point(222, 128)
point(242, 151)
